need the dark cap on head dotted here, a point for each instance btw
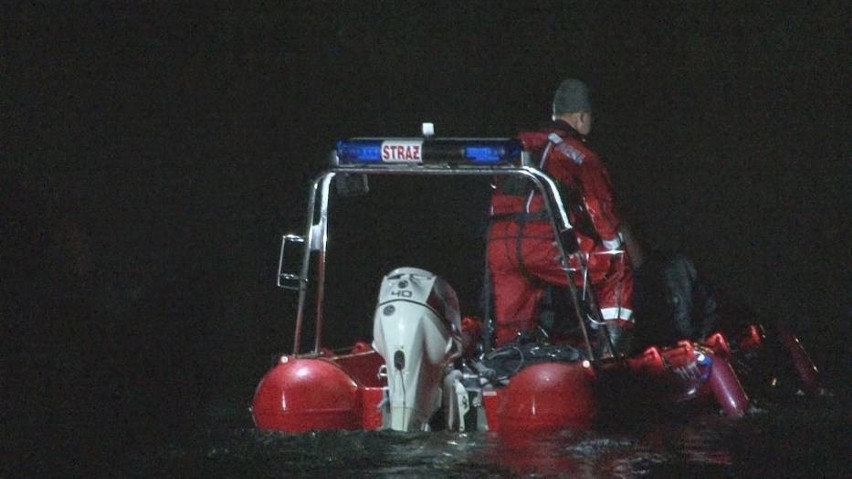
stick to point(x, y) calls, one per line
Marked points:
point(571, 96)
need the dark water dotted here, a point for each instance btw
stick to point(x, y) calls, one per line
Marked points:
point(805, 439)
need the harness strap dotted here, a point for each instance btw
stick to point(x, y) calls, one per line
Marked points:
point(553, 139)
point(519, 217)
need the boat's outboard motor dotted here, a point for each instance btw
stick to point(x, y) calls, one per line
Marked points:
point(416, 329)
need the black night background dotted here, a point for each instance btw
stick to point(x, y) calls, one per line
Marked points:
point(154, 153)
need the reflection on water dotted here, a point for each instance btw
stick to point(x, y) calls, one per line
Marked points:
point(797, 443)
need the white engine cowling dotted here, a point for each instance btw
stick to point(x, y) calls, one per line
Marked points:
point(416, 329)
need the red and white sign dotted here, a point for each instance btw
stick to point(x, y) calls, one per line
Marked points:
point(407, 151)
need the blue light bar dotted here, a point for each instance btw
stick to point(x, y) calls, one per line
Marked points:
point(359, 151)
point(484, 154)
point(458, 151)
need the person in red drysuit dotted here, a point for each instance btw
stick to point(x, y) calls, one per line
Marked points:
point(522, 254)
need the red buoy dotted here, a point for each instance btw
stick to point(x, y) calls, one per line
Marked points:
point(805, 368)
point(549, 396)
point(727, 388)
point(299, 395)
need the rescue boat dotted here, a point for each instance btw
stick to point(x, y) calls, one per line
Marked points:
point(431, 366)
